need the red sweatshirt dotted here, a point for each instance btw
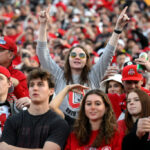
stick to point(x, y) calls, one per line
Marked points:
point(115, 144)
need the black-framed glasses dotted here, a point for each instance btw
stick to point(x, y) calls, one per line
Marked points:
point(81, 55)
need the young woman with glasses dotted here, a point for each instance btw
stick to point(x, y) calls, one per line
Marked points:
point(77, 65)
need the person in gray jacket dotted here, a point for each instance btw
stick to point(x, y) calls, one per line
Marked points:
point(77, 68)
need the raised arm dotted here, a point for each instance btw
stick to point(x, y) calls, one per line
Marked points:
point(121, 22)
point(42, 49)
point(99, 69)
point(56, 102)
point(44, 18)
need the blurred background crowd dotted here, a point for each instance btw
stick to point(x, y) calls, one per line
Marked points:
point(86, 22)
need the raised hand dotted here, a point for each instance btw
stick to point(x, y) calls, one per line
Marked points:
point(122, 20)
point(44, 16)
point(111, 71)
point(143, 62)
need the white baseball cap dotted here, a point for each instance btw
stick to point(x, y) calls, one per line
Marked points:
point(116, 77)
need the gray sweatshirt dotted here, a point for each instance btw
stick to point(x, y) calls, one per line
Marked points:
point(71, 103)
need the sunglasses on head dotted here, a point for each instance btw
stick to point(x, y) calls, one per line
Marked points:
point(81, 55)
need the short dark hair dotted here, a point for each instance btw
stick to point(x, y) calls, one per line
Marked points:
point(43, 75)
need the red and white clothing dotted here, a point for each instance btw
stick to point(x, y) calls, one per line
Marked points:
point(118, 103)
point(6, 109)
point(115, 144)
point(4, 113)
point(122, 126)
point(21, 90)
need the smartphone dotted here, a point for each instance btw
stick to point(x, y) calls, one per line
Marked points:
point(144, 56)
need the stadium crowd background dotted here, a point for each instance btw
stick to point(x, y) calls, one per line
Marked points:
point(87, 22)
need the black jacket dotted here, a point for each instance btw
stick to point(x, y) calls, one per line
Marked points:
point(132, 142)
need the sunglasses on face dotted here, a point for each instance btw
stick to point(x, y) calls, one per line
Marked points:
point(74, 54)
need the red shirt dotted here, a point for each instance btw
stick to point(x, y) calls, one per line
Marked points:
point(118, 103)
point(115, 144)
point(21, 90)
point(122, 127)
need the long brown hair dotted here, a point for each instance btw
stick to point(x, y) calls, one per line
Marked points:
point(108, 126)
point(145, 112)
point(85, 71)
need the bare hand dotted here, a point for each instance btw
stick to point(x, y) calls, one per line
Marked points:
point(111, 71)
point(78, 88)
point(14, 81)
point(122, 20)
point(143, 126)
point(44, 16)
point(65, 51)
point(143, 62)
point(23, 102)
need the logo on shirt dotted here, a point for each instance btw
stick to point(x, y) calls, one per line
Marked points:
point(75, 99)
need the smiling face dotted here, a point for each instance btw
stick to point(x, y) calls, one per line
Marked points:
point(77, 62)
point(94, 107)
point(134, 104)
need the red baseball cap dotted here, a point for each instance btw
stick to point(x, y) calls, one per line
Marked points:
point(130, 73)
point(8, 44)
point(61, 4)
point(5, 72)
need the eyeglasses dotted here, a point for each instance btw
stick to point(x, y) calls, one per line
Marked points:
point(74, 54)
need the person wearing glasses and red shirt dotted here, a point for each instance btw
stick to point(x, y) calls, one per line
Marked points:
point(77, 65)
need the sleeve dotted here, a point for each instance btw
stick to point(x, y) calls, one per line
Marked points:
point(98, 70)
point(9, 134)
point(46, 61)
point(59, 133)
point(22, 89)
point(131, 141)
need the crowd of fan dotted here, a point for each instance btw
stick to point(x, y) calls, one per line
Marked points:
point(89, 23)
point(29, 28)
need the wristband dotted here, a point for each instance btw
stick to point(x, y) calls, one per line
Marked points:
point(117, 31)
